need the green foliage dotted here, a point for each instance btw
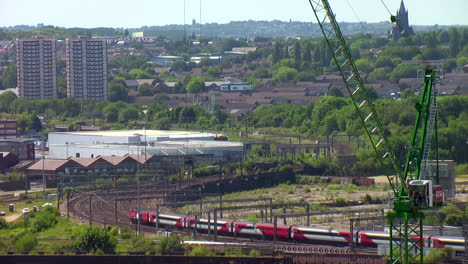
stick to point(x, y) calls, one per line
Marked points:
point(3, 223)
point(142, 245)
point(364, 65)
point(169, 245)
point(461, 169)
point(199, 251)
point(432, 220)
point(117, 90)
point(403, 71)
point(285, 74)
point(130, 113)
point(255, 253)
point(378, 74)
point(9, 77)
point(25, 242)
point(45, 219)
point(384, 62)
point(438, 255)
point(146, 90)
point(335, 91)
point(340, 202)
point(252, 218)
point(93, 238)
point(139, 74)
point(196, 85)
point(452, 215)
point(235, 252)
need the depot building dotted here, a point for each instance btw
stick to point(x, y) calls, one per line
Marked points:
point(200, 146)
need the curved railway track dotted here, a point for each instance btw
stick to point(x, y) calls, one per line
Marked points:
point(103, 212)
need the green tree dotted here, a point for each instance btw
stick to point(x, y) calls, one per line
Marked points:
point(196, 85)
point(25, 242)
point(443, 37)
point(187, 115)
point(307, 57)
point(378, 74)
point(335, 91)
point(61, 87)
point(169, 245)
point(364, 65)
point(285, 74)
point(276, 55)
point(403, 71)
point(139, 74)
point(297, 56)
point(462, 61)
point(7, 100)
point(128, 114)
point(93, 239)
point(146, 90)
point(35, 123)
point(111, 112)
point(117, 91)
point(384, 61)
point(9, 77)
point(454, 42)
point(45, 219)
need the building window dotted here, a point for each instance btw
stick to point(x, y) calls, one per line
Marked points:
point(77, 155)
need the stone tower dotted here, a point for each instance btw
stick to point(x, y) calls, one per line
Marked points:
point(402, 27)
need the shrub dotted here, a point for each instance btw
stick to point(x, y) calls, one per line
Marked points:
point(340, 202)
point(306, 189)
point(252, 218)
point(199, 251)
point(142, 245)
point(94, 238)
point(45, 219)
point(25, 243)
point(169, 245)
point(236, 252)
point(254, 253)
point(438, 255)
point(3, 224)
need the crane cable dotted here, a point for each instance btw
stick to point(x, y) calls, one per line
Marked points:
point(388, 10)
point(355, 14)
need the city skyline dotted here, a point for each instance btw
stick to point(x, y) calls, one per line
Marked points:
point(118, 14)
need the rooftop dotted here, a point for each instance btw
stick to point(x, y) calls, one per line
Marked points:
point(132, 133)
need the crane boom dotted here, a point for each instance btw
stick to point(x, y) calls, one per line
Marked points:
point(411, 191)
point(364, 106)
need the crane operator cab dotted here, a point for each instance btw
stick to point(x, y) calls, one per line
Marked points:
point(423, 194)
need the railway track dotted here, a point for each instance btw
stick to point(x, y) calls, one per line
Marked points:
point(103, 212)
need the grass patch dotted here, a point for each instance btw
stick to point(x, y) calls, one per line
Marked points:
point(18, 206)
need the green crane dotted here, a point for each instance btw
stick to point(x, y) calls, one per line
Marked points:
point(413, 185)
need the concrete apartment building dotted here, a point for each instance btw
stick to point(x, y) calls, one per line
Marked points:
point(36, 74)
point(87, 68)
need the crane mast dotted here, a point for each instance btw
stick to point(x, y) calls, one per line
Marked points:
point(412, 186)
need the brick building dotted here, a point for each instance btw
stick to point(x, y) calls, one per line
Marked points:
point(8, 128)
point(23, 148)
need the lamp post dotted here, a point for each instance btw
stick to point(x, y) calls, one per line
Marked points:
point(138, 183)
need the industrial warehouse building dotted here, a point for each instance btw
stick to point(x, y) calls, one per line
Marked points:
point(181, 144)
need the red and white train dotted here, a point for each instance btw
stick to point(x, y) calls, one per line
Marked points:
point(300, 234)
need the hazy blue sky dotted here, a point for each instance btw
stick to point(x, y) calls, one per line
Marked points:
point(137, 13)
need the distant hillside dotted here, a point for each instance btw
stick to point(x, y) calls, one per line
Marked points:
point(274, 28)
point(248, 29)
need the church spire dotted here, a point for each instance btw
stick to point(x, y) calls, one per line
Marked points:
point(402, 6)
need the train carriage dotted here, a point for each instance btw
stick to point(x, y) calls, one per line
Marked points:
point(305, 233)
